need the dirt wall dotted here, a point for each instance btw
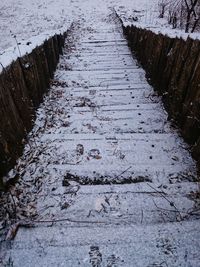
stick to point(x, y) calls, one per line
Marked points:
point(22, 86)
point(173, 68)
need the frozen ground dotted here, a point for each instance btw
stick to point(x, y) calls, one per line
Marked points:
point(31, 22)
point(27, 18)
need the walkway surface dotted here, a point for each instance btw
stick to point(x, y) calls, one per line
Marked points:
point(105, 177)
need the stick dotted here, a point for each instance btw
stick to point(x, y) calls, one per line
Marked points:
point(170, 202)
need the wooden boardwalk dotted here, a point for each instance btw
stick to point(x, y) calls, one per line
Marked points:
point(105, 165)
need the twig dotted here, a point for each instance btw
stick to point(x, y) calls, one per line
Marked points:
point(61, 220)
point(170, 202)
point(14, 36)
point(2, 66)
point(142, 216)
point(160, 192)
point(124, 172)
point(160, 211)
point(15, 207)
point(73, 163)
point(14, 228)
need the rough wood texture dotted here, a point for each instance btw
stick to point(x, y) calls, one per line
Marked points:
point(173, 67)
point(22, 86)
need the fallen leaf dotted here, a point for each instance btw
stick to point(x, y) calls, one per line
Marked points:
point(12, 231)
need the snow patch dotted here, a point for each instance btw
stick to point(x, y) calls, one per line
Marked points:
point(26, 47)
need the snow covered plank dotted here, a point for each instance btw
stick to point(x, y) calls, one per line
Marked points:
point(119, 245)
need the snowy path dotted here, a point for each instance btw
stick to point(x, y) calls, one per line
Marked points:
point(104, 160)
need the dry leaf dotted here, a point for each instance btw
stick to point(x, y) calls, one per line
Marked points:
point(12, 231)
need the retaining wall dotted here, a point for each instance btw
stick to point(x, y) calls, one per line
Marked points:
point(22, 85)
point(173, 68)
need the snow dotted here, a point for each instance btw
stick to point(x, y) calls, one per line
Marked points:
point(158, 26)
point(100, 120)
point(30, 23)
point(27, 18)
point(35, 21)
point(148, 18)
point(25, 47)
point(100, 99)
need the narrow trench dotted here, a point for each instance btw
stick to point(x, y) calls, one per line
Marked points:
point(99, 89)
point(104, 173)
